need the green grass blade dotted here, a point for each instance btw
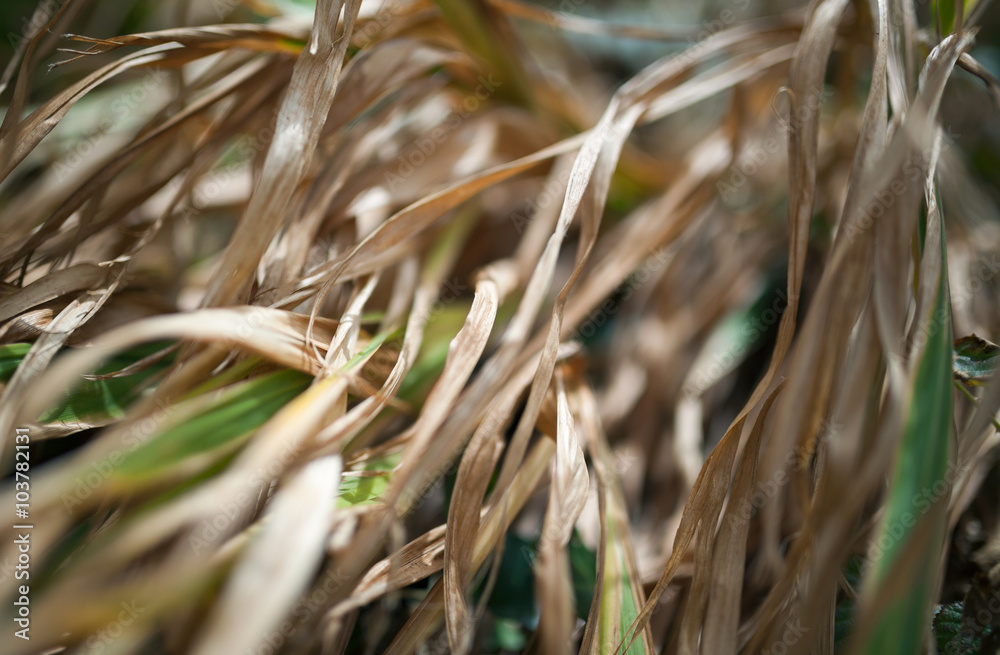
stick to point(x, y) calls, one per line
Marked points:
point(629, 614)
point(921, 467)
point(94, 399)
point(10, 358)
point(472, 22)
point(618, 607)
point(238, 411)
point(945, 11)
point(363, 489)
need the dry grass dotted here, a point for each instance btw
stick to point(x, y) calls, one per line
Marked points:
point(347, 307)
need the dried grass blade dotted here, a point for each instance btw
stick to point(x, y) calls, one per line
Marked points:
point(567, 497)
point(427, 616)
point(303, 113)
point(619, 594)
point(281, 559)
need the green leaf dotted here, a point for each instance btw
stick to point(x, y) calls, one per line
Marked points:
point(10, 358)
point(948, 633)
point(583, 568)
point(367, 489)
point(945, 11)
point(424, 372)
point(513, 596)
point(921, 466)
point(618, 607)
point(473, 22)
point(238, 411)
point(95, 399)
point(507, 635)
point(629, 613)
point(975, 360)
point(371, 347)
point(947, 625)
